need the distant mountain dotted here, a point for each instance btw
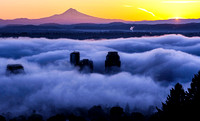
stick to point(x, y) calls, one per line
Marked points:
point(71, 16)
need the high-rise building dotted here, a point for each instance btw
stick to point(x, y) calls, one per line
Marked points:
point(112, 63)
point(86, 66)
point(14, 69)
point(75, 58)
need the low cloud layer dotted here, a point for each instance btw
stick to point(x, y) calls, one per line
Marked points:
point(150, 67)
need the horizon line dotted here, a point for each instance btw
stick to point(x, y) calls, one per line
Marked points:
point(173, 18)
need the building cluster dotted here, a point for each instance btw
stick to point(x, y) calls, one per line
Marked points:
point(14, 69)
point(112, 64)
point(85, 65)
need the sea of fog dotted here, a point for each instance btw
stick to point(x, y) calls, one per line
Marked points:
point(151, 66)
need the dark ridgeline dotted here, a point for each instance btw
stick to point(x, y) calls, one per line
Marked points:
point(14, 69)
point(98, 31)
point(33, 117)
point(84, 65)
point(112, 62)
point(95, 113)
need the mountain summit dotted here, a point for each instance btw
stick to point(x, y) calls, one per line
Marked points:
point(71, 11)
point(71, 16)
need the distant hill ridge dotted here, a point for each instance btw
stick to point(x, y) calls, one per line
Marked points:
point(72, 16)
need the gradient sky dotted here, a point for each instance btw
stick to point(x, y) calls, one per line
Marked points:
point(112, 9)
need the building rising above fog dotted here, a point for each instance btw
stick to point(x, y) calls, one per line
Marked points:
point(75, 58)
point(112, 62)
point(85, 65)
point(14, 69)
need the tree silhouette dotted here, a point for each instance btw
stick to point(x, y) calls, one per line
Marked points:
point(96, 113)
point(136, 116)
point(173, 108)
point(57, 117)
point(116, 113)
point(194, 90)
point(193, 98)
point(19, 118)
point(127, 109)
point(35, 117)
point(2, 118)
point(76, 118)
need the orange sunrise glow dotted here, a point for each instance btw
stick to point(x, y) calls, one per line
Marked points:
point(133, 10)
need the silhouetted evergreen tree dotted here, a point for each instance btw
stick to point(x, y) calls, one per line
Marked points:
point(19, 118)
point(57, 118)
point(127, 109)
point(35, 117)
point(193, 98)
point(154, 117)
point(116, 113)
point(96, 113)
point(76, 118)
point(194, 90)
point(173, 108)
point(2, 118)
point(136, 116)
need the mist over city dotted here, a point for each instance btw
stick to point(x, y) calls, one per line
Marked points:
point(99, 60)
point(150, 66)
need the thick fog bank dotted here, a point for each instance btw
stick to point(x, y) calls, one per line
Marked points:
point(150, 67)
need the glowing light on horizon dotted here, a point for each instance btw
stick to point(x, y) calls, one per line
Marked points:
point(180, 1)
point(146, 11)
point(177, 18)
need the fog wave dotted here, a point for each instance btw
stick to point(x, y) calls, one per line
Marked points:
point(150, 67)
